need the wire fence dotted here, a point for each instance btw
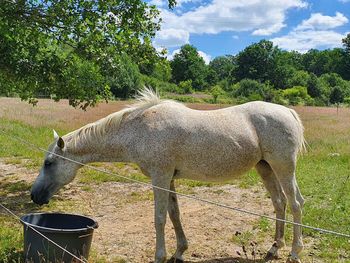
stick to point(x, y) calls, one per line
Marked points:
point(192, 197)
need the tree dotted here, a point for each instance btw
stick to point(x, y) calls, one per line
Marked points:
point(38, 39)
point(332, 79)
point(346, 59)
point(286, 64)
point(322, 62)
point(125, 79)
point(281, 75)
point(257, 61)
point(251, 89)
point(221, 68)
point(313, 86)
point(298, 78)
point(162, 70)
point(346, 43)
point(189, 65)
point(291, 58)
point(335, 61)
point(336, 96)
point(81, 79)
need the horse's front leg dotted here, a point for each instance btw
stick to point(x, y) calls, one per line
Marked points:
point(174, 214)
point(160, 179)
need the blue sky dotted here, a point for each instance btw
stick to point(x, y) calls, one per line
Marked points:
point(221, 27)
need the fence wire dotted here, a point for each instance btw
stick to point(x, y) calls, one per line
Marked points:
point(236, 209)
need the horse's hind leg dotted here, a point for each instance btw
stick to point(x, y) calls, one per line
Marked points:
point(174, 214)
point(285, 172)
point(279, 202)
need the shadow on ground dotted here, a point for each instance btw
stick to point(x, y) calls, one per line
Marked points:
point(16, 197)
point(228, 260)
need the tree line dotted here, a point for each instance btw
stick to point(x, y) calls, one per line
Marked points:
point(86, 51)
point(263, 71)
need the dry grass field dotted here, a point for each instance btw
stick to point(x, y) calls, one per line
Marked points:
point(127, 209)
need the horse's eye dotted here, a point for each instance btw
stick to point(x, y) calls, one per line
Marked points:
point(47, 163)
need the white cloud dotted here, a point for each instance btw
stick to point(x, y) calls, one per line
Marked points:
point(303, 41)
point(206, 57)
point(171, 56)
point(269, 30)
point(181, 2)
point(262, 17)
point(159, 3)
point(313, 33)
point(344, 1)
point(318, 21)
point(171, 38)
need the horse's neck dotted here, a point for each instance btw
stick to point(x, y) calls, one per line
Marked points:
point(89, 147)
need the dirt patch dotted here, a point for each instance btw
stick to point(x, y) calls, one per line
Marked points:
point(124, 212)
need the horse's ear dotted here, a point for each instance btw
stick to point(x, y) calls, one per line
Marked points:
point(55, 135)
point(60, 143)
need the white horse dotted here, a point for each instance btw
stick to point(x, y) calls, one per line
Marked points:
point(169, 141)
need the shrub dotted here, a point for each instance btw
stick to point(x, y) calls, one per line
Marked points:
point(185, 87)
point(249, 90)
point(185, 99)
point(161, 86)
point(297, 95)
point(247, 87)
point(216, 91)
point(279, 98)
point(347, 100)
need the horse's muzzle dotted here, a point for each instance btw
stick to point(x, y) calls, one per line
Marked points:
point(40, 198)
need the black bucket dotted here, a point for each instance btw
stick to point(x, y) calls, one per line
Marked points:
point(72, 232)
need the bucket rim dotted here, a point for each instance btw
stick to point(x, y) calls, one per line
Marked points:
point(59, 230)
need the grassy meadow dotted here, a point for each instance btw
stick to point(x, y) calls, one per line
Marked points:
point(323, 171)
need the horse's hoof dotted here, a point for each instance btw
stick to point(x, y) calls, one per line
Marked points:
point(270, 256)
point(293, 260)
point(175, 260)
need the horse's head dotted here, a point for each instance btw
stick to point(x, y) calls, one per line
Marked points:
point(55, 172)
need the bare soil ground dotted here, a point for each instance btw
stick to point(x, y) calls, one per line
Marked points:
point(126, 232)
point(124, 211)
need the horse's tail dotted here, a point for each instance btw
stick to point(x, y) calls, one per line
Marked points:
point(302, 141)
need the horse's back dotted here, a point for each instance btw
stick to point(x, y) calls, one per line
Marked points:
point(214, 144)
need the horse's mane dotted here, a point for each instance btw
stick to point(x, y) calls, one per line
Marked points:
point(145, 99)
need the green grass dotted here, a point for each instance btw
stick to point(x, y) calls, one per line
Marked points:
point(10, 187)
point(95, 258)
point(91, 176)
point(12, 148)
point(264, 225)
point(323, 176)
point(325, 184)
point(11, 240)
point(248, 180)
